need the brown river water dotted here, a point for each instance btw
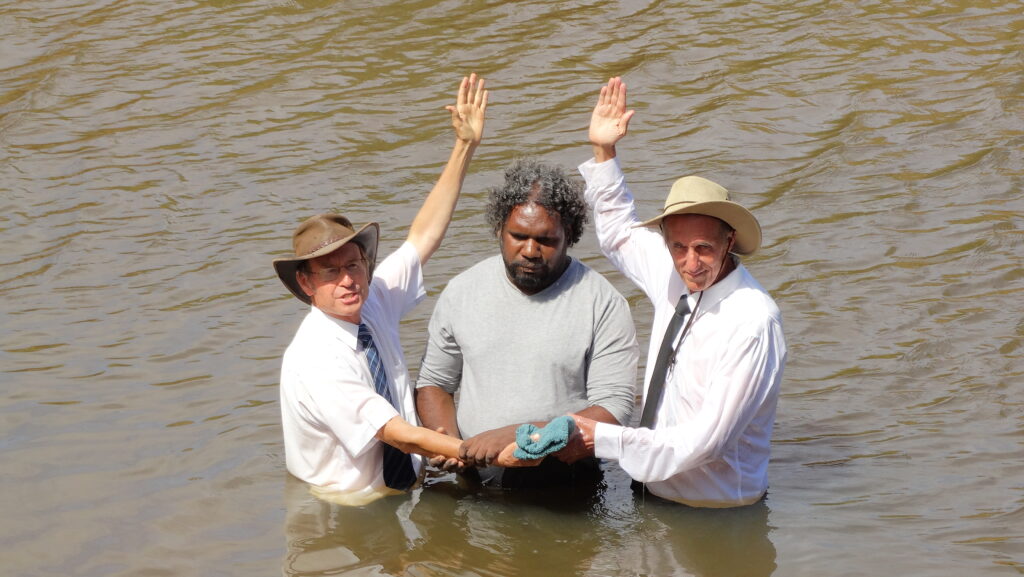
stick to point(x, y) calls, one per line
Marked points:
point(155, 156)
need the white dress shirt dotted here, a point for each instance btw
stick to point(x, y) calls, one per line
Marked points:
point(330, 411)
point(711, 441)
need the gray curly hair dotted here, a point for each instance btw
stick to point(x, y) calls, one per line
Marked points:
point(529, 180)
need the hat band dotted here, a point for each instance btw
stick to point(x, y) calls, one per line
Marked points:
point(667, 207)
point(331, 241)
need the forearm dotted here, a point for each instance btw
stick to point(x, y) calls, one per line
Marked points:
point(436, 409)
point(411, 439)
point(655, 455)
point(599, 414)
point(431, 223)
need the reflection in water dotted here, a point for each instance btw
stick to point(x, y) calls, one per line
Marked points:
point(449, 528)
point(670, 539)
point(446, 527)
point(324, 537)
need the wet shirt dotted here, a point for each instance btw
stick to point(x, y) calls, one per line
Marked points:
point(711, 441)
point(330, 411)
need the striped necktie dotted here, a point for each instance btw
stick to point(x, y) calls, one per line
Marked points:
point(398, 471)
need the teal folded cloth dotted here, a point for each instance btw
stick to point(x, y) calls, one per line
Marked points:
point(553, 437)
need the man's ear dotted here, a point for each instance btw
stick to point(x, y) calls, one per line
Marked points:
point(307, 287)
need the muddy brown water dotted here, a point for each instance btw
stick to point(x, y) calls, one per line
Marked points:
point(154, 157)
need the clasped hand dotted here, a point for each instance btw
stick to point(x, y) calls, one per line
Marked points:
point(497, 447)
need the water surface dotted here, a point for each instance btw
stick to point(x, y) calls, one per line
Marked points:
point(154, 157)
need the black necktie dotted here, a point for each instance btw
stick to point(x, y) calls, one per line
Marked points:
point(398, 471)
point(657, 385)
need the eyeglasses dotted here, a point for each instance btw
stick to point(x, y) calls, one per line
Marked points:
point(354, 269)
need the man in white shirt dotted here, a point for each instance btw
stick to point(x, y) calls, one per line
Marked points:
point(705, 438)
point(345, 391)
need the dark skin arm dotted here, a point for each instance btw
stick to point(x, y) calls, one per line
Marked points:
point(412, 439)
point(483, 449)
point(436, 409)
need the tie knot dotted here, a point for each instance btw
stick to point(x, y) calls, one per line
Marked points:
point(364, 334)
point(682, 307)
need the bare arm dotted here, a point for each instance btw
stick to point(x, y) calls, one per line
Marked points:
point(610, 119)
point(412, 439)
point(597, 413)
point(436, 409)
point(486, 448)
point(431, 223)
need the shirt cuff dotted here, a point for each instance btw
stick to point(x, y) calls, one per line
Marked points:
point(601, 178)
point(592, 168)
point(608, 441)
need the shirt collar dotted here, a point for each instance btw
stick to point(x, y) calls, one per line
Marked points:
point(344, 331)
point(721, 289)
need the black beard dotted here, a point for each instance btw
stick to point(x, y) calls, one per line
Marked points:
point(530, 283)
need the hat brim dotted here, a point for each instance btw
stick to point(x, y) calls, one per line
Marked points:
point(748, 230)
point(368, 237)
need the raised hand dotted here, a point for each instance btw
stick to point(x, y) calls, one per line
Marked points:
point(469, 109)
point(431, 222)
point(610, 119)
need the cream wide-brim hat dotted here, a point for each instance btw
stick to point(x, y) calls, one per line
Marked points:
point(697, 195)
point(320, 235)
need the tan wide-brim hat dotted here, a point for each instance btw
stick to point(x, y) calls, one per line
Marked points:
point(320, 235)
point(696, 195)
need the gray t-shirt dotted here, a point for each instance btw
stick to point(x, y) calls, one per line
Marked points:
point(516, 358)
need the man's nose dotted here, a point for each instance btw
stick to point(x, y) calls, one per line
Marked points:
point(531, 248)
point(346, 278)
point(691, 263)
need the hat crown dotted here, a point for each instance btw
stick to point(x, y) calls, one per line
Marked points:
point(693, 190)
point(319, 236)
point(697, 195)
point(319, 231)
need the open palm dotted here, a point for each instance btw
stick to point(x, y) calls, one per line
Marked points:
point(610, 119)
point(469, 109)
